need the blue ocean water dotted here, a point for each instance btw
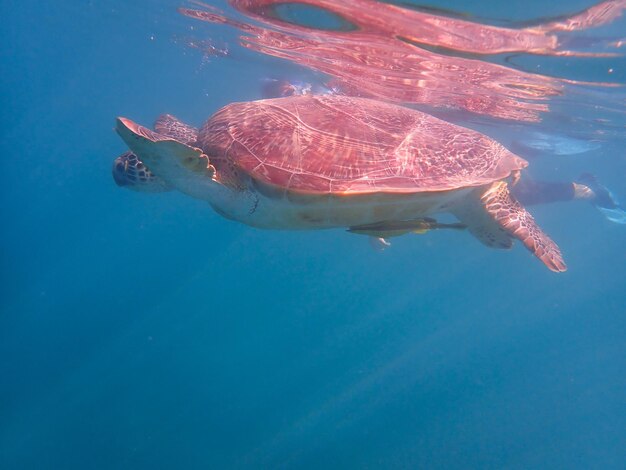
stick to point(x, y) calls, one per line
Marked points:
point(145, 331)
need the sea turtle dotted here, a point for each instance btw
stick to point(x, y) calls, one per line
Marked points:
point(326, 161)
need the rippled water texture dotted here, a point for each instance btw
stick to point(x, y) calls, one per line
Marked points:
point(402, 55)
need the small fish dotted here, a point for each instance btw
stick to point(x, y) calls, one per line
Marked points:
point(386, 230)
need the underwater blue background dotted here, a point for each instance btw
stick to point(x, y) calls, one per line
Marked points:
point(145, 331)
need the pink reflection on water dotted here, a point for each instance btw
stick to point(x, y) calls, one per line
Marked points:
point(441, 31)
point(406, 56)
point(597, 15)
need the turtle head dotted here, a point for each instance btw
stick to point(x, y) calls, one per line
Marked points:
point(130, 172)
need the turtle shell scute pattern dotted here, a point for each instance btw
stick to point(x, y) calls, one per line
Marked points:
point(345, 145)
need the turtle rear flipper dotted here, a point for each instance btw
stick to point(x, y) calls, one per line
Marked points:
point(482, 225)
point(507, 212)
point(171, 126)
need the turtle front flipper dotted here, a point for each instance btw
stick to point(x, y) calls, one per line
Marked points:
point(180, 165)
point(509, 214)
point(171, 126)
